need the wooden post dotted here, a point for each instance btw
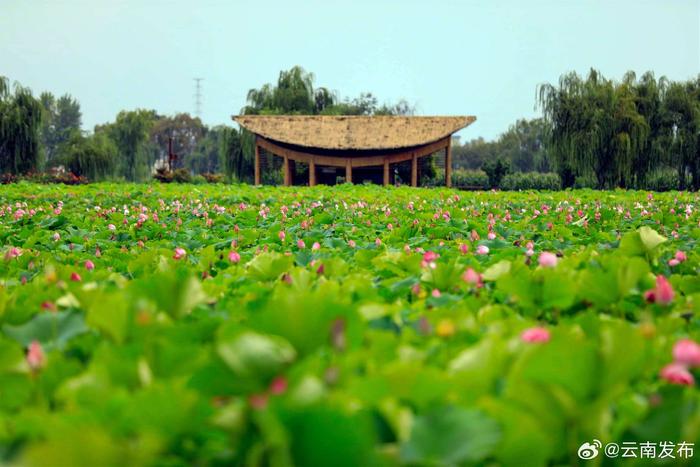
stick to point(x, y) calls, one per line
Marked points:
point(414, 170)
point(312, 172)
point(287, 176)
point(257, 162)
point(348, 171)
point(448, 163)
point(386, 172)
point(292, 171)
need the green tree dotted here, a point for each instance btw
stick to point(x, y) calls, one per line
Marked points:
point(524, 146)
point(236, 162)
point(681, 129)
point(595, 129)
point(293, 94)
point(206, 156)
point(130, 132)
point(60, 119)
point(473, 154)
point(20, 120)
point(94, 156)
point(186, 133)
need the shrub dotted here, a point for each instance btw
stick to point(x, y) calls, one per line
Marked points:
point(470, 179)
point(7, 178)
point(177, 176)
point(531, 181)
point(181, 176)
point(163, 175)
point(213, 177)
point(496, 170)
point(586, 181)
point(662, 180)
point(65, 178)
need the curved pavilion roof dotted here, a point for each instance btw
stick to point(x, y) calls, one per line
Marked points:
point(353, 132)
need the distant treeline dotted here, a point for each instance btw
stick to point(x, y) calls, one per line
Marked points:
point(594, 132)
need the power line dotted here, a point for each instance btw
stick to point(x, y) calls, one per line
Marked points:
point(198, 97)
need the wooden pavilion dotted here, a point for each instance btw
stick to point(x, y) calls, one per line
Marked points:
point(351, 142)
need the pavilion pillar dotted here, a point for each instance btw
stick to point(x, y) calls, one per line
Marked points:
point(312, 172)
point(414, 170)
point(448, 163)
point(286, 171)
point(386, 172)
point(348, 171)
point(257, 162)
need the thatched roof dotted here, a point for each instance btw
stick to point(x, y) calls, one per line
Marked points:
point(352, 132)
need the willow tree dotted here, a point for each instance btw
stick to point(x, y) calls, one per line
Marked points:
point(94, 156)
point(649, 95)
point(20, 119)
point(233, 156)
point(594, 129)
point(293, 93)
point(681, 127)
point(130, 132)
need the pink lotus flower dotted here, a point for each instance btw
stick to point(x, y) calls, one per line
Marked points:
point(463, 248)
point(278, 385)
point(316, 246)
point(98, 252)
point(430, 256)
point(282, 235)
point(56, 236)
point(474, 236)
point(234, 257)
point(435, 293)
point(676, 373)
point(179, 253)
point(75, 277)
point(673, 262)
point(352, 244)
point(680, 256)
point(663, 292)
point(35, 356)
point(548, 260)
point(300, 244)
point(112, 227)
point(687, 352)
point(491, 236)
point(89, 265)
point(529, 252)
point(482, 250)
point(258, 401)
point(13, 253)
point(537, 334)
point(472, 277)
point(378, 241)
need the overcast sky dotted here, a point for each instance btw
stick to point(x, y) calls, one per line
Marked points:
point(482, 58)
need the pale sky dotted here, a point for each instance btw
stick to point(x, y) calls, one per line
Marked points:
point(482, 58)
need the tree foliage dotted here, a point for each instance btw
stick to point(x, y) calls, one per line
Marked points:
point(60, 119)
point(20, 118)
point(522, 146)
point(130, 132)
point(616, 132)
point(94, 156)
point(186, 133)
point(294, 93)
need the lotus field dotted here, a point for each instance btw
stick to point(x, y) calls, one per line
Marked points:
point(344, 326)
